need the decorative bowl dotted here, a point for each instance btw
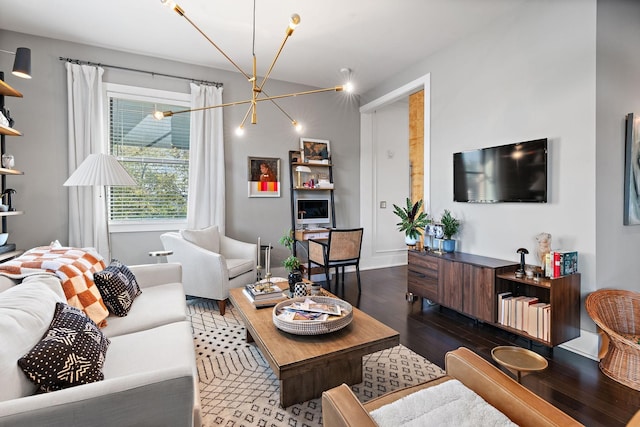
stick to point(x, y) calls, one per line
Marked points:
point(313, 327)
point(3, 238)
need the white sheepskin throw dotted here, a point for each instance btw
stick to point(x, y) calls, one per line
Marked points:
point(448, 404)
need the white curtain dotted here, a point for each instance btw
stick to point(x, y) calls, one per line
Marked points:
point(87, 210)
point(206, 160)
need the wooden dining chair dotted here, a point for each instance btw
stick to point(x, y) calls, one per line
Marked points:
point(340, 250)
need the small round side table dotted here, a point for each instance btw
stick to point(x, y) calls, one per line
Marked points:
point(518, 359)
point(160, 254)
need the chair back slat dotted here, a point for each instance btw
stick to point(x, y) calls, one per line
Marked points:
point(345, 244)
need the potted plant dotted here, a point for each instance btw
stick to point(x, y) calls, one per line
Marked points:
point(291, 263)
point(412, 220)
point(450, 227)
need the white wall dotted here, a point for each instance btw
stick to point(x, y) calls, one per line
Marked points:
point(531, 75)
point(42, 152)
point(618, 93)
point(387, 180)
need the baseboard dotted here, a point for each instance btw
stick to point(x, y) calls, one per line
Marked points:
point(586, 345)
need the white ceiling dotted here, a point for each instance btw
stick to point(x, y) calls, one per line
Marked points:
point(375, 38)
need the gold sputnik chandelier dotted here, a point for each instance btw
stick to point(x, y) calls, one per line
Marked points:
point(258, 94)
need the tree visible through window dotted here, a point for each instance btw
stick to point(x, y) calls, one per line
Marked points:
point(156, 154)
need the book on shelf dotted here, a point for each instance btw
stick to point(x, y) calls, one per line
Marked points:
point(502, 302)
point(257, 293)
point(561, 263)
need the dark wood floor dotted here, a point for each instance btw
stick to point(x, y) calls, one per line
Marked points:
point(571, 382)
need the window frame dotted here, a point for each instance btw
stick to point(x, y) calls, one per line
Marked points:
point(136, 93)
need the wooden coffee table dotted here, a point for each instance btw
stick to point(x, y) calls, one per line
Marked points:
point(307, 365)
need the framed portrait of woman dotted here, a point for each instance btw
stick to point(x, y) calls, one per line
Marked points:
point(264, 176)
point(315, 150)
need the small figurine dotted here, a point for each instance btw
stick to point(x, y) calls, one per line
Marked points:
point(544, 246)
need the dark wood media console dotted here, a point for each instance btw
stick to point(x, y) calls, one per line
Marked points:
point(470, 284)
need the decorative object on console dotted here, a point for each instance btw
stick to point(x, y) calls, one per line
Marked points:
point(544, 247)
point(3, 238)
point(520, 271)
point(256, 88)
point(412, 220)
point(450, 227)
point(101, 170)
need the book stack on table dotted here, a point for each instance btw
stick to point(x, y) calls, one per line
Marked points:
point(261, 297)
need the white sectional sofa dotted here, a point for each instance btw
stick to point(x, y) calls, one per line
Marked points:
point(150, 376)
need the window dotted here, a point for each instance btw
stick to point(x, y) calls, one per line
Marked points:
point(154, 152)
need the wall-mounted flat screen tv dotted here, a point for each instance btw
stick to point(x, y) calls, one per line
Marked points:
point(507, 173)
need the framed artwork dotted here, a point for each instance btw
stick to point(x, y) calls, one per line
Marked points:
point(632, 171)
point(263, 176)
point(315, 150)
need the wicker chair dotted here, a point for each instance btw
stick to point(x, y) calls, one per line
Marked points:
point(617, 314)
point(340, 250)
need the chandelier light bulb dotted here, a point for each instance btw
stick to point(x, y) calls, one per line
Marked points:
point(239, 131)
point(158, 115)
point(168, 3)
point(297, 126)
point(348, 87)
point(294, 21)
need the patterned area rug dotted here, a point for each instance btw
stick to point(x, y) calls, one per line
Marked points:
point(238, 388)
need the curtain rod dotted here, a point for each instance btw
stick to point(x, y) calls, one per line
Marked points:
point(153, 73)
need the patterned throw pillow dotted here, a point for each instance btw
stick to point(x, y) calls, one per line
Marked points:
point(71, 353)
point(118, 287)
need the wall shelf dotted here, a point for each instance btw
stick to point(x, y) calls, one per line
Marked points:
point(6, 90)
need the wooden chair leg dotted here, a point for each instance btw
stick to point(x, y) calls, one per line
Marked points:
point(326, 277)
point(358, 276)
point(222, 305)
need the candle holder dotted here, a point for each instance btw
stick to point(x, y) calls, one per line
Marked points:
point(266, 286)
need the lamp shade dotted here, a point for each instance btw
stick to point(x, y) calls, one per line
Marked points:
point(303, 169)
point(100, 170)
point(22, 63)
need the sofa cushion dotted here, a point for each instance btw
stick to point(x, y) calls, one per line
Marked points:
point(156, 306)
point(151, 350)
point(118, 287)
point(206, 238)
point(238, 267)
point(71, 353)
point(26, 312)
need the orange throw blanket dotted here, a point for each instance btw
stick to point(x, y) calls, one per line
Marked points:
point(74, 267)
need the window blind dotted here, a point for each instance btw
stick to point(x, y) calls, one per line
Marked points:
point(156, 154)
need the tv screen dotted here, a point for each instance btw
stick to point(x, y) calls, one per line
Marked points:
point(313, 211)
point(507, 173)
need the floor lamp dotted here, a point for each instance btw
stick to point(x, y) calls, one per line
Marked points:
point(101, 170)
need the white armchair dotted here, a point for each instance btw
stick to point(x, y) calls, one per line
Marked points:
point(211, 262)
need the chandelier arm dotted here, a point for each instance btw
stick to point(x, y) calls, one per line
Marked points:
point(279, 107)
point(184, 15)
point(246, 115)
point(273, 63)
point(249, 101)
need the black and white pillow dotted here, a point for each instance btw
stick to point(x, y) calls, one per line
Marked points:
point(71, 353)
point(118, 287)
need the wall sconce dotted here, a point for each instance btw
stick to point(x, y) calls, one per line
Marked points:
point(301, 169)
point(22, 62)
